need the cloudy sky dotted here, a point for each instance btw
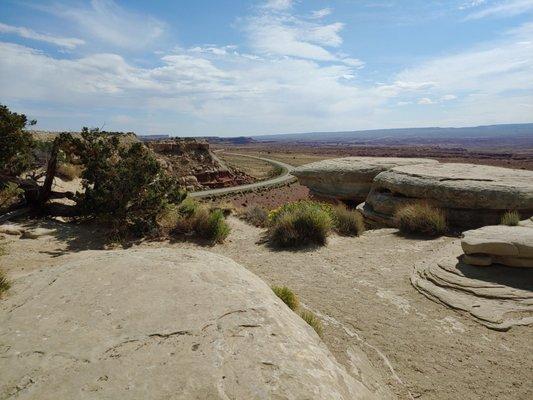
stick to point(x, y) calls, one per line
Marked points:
point(232, 67)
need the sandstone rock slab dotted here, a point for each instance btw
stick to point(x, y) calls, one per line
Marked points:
point(349, 178)
point(506, 245)
point(472, 195)
point(160, 324)
point(496, 297)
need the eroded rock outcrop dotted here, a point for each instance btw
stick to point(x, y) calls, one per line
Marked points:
point(472, 195)
point(350, 178)
point(511, 246)
point(160, 324)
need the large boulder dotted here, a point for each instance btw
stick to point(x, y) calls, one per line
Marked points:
point(472, 195)
point(500, 244)
point(350, 178)
point(160, 324)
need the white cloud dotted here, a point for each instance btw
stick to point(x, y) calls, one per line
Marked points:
point(506, 8)
point(106, 21)
point(317, 14)
point(425, 101)
point(65, 42)
point(448, 97)
point(471, 4)
point(278, 4)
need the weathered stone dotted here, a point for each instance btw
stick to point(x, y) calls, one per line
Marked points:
point(350, 178)
point(496, 297)
point(506, 245)
point(36, 233)
point(472, 195)
point(160, 324)
point(10, 229)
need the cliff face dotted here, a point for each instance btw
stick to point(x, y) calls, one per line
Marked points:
point(193, 163)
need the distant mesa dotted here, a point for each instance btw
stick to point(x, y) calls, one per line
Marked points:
point(471, 195)
point(348, 179)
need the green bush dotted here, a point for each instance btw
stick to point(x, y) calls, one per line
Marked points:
point(188, 207)
point(313, 321)
point(210, 225)
point(347, 222)
point(287, 296)
point(511, 218)
point(421, 218)
point(125, 185)
point(300, 224)
point(16, 144)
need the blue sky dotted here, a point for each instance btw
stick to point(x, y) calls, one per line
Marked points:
point(260, 67)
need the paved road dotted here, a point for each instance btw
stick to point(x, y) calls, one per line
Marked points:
point(285, 176)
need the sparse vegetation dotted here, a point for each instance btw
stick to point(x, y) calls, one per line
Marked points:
point(347, 222)
point(299, 224)
point(287, 296)
point(4, 283)
point(421, 218)
point(256, 216)
point(510, 218)
point(313, 321)
point(210, 225)
point(68, 171)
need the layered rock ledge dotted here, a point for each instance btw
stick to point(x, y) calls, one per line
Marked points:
point(350, 178)
point(510, 246)
point(472, 195)
point(160, 324)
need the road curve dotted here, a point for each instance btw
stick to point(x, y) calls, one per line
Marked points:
point(284, 177)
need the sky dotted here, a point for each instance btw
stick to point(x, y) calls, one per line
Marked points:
point(232, 67)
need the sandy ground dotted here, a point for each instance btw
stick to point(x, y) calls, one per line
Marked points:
point(360, 289)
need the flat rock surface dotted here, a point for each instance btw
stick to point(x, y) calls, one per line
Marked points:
point(159, 324)
point(507, 245)
point(496, 297)
point(456, 185)
point(349, 178)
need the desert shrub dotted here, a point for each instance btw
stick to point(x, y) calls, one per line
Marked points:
point(299, 224)
point(188, 207)
point(10, 195)
point(210, 225)
point(68, 171)
point(16, 144)
point(313, 321)
point(347, 222)
point(511, 218)
point(421, 217)
point(257, 216)
point(287, 296)
point(4, 284)
point(125, 186)
point(297, 206)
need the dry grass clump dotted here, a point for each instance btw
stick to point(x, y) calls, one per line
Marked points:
point(347, 222)
point(313, 321)
point(291, 300)
point(194, 219)
point(287, 296)
point(4, 284)
point(210, 225)
point(421, 218)
point(300, 226)
point(510, 218)
point(256, 216)
point(68, 171)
